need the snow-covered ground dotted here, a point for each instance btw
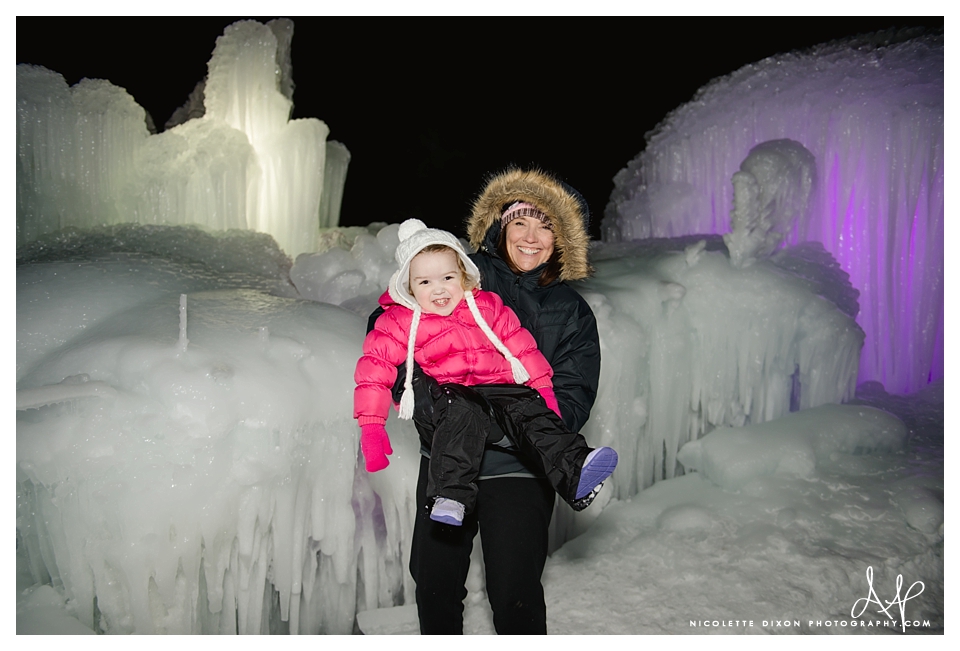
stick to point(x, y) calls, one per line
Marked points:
point(849, 497)
point(788, 551)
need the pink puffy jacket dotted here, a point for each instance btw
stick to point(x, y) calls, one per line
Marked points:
point(448, 348)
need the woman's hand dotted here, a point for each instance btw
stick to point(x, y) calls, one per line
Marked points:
point(375, 445)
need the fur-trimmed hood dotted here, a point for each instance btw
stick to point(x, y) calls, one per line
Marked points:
point(560, 202)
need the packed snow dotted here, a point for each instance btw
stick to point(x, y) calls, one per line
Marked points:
point(785, 553)
point(187, 461)
point(770, 539)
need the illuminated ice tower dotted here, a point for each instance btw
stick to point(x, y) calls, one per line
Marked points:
point(870, 110)
point(85, 157)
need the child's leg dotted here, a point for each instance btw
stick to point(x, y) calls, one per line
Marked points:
point(460, 429)
point(541, 435)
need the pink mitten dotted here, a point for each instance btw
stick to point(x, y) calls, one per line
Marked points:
point(375, 445)
point(551, 399)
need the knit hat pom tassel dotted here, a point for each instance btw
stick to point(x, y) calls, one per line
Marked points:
point(520, 374)
point(406, 403)
point(406, 400)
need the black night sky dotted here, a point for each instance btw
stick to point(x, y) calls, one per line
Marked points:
point(428, 106)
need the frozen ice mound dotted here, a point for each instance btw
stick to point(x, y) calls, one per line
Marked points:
point(210, 489)
point(921, 504)
point(791, 445)
point(691, 343)
point(74, 281)
point(41, 611)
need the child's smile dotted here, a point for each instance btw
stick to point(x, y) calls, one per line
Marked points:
point(436, 281)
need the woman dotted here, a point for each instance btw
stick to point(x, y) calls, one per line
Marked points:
point(526, 259)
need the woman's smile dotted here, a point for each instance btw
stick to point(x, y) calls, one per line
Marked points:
point(529, 242)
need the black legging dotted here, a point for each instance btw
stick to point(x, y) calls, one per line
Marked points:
point(513, 515)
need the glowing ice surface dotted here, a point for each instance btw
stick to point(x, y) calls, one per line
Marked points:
point(873, 117)
point(207, 488)
point(771, 193)
point(209, 482)
point(85, 157)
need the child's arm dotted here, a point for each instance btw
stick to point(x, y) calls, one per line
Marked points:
point(375, 374)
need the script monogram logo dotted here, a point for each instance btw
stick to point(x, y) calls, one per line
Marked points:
point(872, 598)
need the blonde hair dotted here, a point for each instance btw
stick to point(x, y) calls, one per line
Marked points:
point(466, 282)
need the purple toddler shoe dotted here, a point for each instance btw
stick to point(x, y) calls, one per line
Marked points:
point(447, 511)
point(598, 465)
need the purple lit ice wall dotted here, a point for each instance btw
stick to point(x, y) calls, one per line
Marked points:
point(871, 112)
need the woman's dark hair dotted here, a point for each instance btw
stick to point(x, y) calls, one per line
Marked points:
point(550, 272)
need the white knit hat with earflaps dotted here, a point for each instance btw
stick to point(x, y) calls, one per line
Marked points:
point(414, 238)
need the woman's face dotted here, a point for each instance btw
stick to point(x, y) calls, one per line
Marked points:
point(529, 242)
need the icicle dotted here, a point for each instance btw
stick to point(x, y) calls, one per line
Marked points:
point(406, 401)
point(183, 323)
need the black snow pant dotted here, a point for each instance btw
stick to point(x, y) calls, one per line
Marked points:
point(466, 419)
point(513, 515)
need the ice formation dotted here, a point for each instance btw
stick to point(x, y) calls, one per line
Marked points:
point(872, 114)
point(351, 269)
point(190, 465)
point(186, 456)
point(86, 158)
point(732, 458)
point(691, 343)
point(203, 483)
point(771, 193)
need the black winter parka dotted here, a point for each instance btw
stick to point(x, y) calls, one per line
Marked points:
point(565, 330)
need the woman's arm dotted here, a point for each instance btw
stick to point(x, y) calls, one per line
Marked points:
point(576, 367)
point(517, 339)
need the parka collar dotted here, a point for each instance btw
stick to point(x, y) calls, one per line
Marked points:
point(564, 205)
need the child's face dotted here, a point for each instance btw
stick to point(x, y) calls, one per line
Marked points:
point(435, 282)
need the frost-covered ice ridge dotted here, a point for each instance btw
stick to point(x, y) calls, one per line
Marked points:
point(215, 488)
